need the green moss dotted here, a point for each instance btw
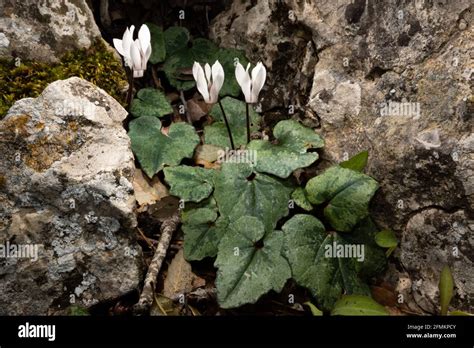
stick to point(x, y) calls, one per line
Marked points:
point(96, 65)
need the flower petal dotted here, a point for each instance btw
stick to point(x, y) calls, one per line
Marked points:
point(259, 75)
point(127, 41)
point(119, 46)
point(135, 55)
point(145, 37)
point(207, 69)
point(217, 81)
point(243, 79)
point(201, 82)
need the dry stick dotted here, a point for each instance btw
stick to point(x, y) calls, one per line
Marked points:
point(248, 121)
point(167, 229)
point(227, 126)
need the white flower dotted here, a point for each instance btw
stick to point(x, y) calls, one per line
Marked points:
point(251, 85)
point(135, 53)
point(209, 81)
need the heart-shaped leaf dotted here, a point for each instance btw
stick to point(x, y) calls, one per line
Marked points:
point(357, 163)
point(250, 263)
point(216, 133)
point(191, 184)
point(150, 102)
point(203, 230)
point(322, 262)
point(300, 198)
point(175, 38)
point(358, 305)
point(158, 49)
point(290, 151)
point(240, 191)
point(345, 192)
point(154, 150)
point(374, 256)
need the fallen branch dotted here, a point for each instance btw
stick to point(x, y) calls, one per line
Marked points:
point(168, 227)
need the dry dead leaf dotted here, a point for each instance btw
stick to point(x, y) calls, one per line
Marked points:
point(180, 279)
point(206, 155)
point(197, 109)
point(163, 306)
point(148, 191)
point(385, 296)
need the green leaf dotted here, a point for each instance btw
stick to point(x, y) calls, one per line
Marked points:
point(203, 230)
point(183, 59)
point(314, 310)
point(386, 239)
point(301, 199)
point(247, 270)
point(345, 192)
point(374, 261)
point(311, 252)
point(357, 163)
point(150, 102)
point(154, 150)
point(240, 191)
point(216, 133)
point(446, 288)
point(175, 38)
point(191, 184)
point(158, 48)
point(290, 151)
point(227, 58)
point(358, 305)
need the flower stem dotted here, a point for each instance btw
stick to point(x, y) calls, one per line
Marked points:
point(130, 89)
point(227, 126)
point(248, 122)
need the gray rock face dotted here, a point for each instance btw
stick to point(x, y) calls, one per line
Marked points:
point(66, 198)
point(396, 79)
point(44, 30)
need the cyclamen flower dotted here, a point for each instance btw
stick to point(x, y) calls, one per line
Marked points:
point(135, 53)
point(251, 85)
point(209, 80)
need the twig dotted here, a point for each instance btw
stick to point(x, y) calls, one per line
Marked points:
point(146, 239)
point(167, 229)
point(227, 126)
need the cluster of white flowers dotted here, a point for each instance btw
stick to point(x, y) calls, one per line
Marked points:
point(135, 53)
point(209, 81)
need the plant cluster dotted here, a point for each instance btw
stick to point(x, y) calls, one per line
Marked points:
point(252, 216)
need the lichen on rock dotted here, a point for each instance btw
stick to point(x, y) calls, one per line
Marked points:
point(66, 188)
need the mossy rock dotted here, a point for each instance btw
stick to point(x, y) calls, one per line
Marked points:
point(97, 65)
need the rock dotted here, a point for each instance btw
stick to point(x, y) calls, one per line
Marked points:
point(423, 249)
point(65, 189)
point(391, 78)
point(44, 30)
